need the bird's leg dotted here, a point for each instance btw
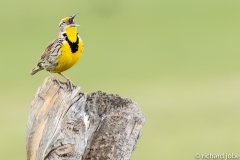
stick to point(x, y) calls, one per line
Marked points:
point(51, 74)
point(55, 79)
point(69, 82)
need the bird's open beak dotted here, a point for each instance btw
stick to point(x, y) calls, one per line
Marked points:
point(71, 20)
point(72, 17)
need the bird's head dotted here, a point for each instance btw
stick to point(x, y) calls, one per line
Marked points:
point(67, 21)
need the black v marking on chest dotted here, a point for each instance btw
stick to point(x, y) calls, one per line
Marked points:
point(73, 45)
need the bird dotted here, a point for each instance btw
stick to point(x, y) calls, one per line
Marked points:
point(63, 52)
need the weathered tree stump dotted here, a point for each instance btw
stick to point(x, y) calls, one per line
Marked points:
point(66, 125)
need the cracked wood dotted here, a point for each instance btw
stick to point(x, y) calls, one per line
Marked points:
point(65, 125)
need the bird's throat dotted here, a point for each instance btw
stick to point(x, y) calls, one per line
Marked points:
point(72, 34)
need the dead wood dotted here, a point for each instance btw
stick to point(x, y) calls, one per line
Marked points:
point(66, 125)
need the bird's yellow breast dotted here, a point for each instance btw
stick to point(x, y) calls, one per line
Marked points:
point(67, 59)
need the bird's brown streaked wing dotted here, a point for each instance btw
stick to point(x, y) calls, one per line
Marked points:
point(49, 56)
point(50, 49)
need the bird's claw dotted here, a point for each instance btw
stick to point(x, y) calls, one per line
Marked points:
point(61, 84)
point(58, 82)
point(70, 84)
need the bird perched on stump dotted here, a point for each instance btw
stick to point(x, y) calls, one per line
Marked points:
point(62, 53)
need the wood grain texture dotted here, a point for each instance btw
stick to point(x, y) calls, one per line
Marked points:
point(66, 125)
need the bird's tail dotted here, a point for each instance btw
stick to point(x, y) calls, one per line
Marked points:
point(35, 70)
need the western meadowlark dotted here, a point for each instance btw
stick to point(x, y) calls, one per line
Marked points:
point(62, 53)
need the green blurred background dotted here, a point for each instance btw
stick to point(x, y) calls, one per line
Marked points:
point(179, 60)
